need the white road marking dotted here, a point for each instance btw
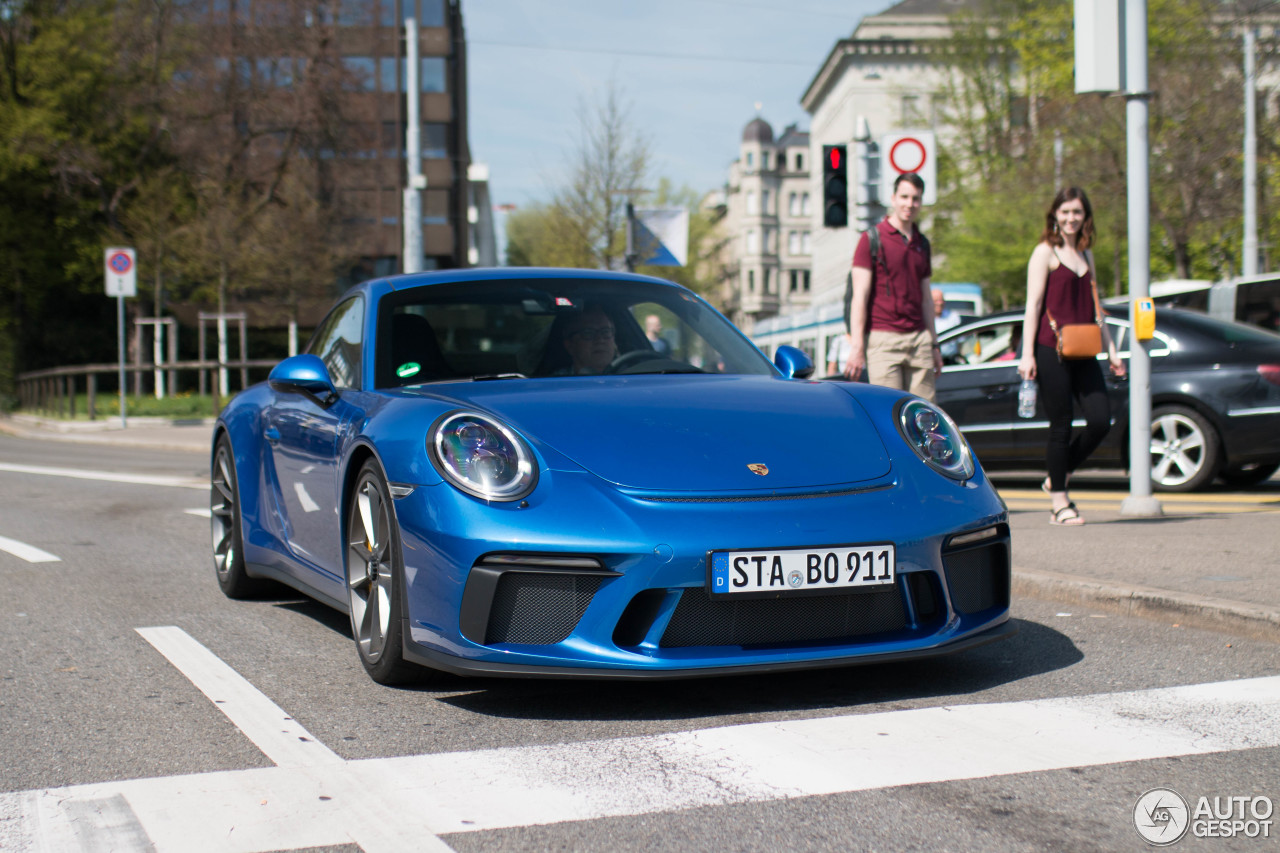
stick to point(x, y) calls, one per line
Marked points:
point(203, 512)
point(109, 476)
point(23, 551)
point(317, 799)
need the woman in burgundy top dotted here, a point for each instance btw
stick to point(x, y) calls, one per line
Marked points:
point(1060, 279)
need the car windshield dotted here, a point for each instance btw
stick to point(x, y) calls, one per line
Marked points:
point(554, 327)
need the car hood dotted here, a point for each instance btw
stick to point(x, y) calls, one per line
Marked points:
point(693, 433)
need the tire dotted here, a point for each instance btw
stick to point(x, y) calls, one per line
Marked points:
point(228, 539)
point(1244, 476)
point(1184, 450)
point(374, 572)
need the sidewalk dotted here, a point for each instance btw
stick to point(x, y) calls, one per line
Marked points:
point(1211, 561)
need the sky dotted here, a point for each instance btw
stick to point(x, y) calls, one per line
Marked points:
point(691, 71)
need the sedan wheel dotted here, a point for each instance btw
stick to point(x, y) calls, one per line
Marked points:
point(373, 579)
point(1184, 450)
point(228, 542)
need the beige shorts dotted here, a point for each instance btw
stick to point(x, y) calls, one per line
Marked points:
point(902, 360)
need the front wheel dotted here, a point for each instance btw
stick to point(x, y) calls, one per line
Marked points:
point(374, 571)
point(228, 540)
point(1184, 450)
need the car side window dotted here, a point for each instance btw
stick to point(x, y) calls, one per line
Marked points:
point(995, 343)
point(338, 340)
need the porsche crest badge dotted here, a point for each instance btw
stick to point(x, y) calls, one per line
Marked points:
point(758, 468)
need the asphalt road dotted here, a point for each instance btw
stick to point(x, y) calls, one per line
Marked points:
point(1021, 745)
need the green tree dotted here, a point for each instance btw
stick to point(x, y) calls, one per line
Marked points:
point(1012, 93)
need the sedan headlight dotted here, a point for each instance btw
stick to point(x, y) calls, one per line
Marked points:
point(935, 438)
point(482, 457)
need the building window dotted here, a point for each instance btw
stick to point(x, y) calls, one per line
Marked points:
point(435, 207)
point(793, 204)
point(430, 13)
point(793, 244)
point(795, 280)
point(912, 113)
point(753, 246)
point(751, 160)
point(805, 247)
point(751, 281)
point(764, 202)
point(768, 282)
point(435, 141)
point(764, 160)
point(751, 203)
point(770, 243)
point(360, 74)
point(805, 210)
point(799, 162)
point(804, 280)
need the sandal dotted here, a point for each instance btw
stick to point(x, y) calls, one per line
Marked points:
point(1061, 518)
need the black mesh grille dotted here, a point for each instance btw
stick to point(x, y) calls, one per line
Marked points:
point(538, 609)
point(700, 620)
point(979, 577)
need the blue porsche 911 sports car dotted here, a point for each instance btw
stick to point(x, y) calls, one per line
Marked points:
point(581, 473)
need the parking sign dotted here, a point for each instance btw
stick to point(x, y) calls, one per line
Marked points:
point(121, 269)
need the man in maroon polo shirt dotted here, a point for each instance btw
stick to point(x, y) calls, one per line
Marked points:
point(891, 315)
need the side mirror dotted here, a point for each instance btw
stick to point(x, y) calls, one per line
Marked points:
point(793, 362)
point(303, 374)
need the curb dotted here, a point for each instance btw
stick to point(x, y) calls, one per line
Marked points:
point(1199, 611)
point(151, 432)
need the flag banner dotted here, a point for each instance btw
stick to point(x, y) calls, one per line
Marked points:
point(662, 237)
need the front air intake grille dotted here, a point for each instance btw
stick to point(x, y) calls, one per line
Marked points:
point(979, 577)
point(700, 620)
point(538, 609)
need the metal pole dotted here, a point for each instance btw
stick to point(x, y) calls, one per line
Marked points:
point(1250, 265)
point(1139, 502)
point(630, 257)
point(120, 346)
point(412, 260)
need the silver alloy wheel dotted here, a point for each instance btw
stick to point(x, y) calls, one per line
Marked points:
point(369, 569)
point(1179, 449)
point(222, 510)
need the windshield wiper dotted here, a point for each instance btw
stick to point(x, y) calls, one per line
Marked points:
point(485, 377)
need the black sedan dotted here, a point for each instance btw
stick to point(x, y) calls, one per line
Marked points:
point(1215, 398)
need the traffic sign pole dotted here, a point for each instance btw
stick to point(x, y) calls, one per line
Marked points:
point(124, 423)
point(121, 273)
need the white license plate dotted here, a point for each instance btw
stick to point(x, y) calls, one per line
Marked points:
point(799, 570)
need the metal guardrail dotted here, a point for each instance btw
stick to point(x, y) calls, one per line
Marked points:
point(53, 391)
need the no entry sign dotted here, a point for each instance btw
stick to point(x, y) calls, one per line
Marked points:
point(121, 272)
point(914, 151)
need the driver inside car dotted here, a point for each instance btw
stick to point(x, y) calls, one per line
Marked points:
point(588, 338)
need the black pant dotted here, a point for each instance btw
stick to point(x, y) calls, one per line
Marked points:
point(1062, 384)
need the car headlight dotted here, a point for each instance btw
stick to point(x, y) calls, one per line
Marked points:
point(935, 438)
point(482, 457)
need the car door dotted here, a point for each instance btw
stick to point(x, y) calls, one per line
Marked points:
point(304, 435)
point(979, 385)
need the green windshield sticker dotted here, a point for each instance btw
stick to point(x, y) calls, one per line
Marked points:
point(409, 368)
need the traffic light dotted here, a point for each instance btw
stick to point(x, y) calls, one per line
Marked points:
point(835, 186)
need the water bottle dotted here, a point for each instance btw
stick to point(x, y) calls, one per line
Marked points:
point(1027, 399)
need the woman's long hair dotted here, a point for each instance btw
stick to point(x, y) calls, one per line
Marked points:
point(1051, 235)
